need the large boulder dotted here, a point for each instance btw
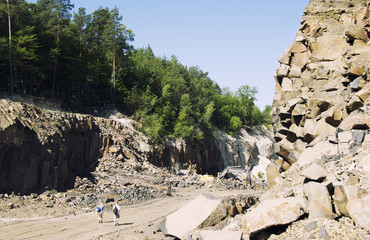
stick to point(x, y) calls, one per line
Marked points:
point(318, 198)
point(189, 217)
point(358, 205)
point(273, 212)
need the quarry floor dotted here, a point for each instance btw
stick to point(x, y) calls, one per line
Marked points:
point(138, 221)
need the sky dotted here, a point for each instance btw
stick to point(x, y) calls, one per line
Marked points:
point(238, 42)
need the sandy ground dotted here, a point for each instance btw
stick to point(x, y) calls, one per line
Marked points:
point(138, 221)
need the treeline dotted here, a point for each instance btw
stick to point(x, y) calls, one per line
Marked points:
point(88, 60)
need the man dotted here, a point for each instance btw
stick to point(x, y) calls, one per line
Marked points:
point(116, 212)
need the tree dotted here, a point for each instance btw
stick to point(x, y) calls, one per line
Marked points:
point(53, 17)
point(25, 49)
point(10, 50)
point(61, 9)
point(116, 41)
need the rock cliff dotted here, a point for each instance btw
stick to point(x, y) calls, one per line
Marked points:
point(321, 122)
point(322, 84)
point(44, 147)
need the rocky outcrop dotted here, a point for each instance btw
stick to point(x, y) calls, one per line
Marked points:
point(249, 148)
point(47, 148)
point(321, 122)
point(322, 84)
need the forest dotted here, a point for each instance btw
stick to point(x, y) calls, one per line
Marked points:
point(88, 60)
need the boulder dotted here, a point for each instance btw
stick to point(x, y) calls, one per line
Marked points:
point(340, 200)
point(318, 198)
point(357, 33)
point(314, 172)
point(295, 72)
point(356, 120)
point(190, 216)
point(272, 174)
point(300, 59)
point(298, 47)
point(220, 235)
point(358, 205)
point(273, 212)
point(313, 129)
point(364, 93)
point(328, 48)
point(317, 210)
point(287, 85)
point(283, 71)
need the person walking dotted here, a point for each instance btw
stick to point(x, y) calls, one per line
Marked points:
point(116, 212)
point(100, 210)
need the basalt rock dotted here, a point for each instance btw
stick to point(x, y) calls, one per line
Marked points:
point(323, 82)
point(321, 122)
point(44, 147)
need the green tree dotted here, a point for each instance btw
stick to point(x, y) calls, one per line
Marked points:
point(235, 125)
point(25, 56)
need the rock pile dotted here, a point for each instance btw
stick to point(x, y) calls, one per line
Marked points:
point(321, 121)
point(322, 84)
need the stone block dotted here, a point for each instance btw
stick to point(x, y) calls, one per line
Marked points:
point(356, 70)
point(298, 47)
point(317, 210)
point(356, 121)
point(358, 205)
point(300, 59)
point(294, 72)
point(308, 156)
point(314, 172)
point(364, 93)
point(220, 235)
point(283, 70)
point(272, 172)
point(285, 59)
point(340, 199)
point(299, 110)
point(328, 48)
point(317, 192)
point(326, 148)
point(311, 226)
point(357, 33)
point(354, 103)
point(286, 85)
point(190, 216)
point(283, 148)
point(273, 212)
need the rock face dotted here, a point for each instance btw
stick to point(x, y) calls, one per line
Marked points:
point(46, 148)
point(42, 148)
point(323, 83)
point(211, 155)
point(321, 114)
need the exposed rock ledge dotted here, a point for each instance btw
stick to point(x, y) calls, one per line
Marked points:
point(44, 147)
point(321, 121)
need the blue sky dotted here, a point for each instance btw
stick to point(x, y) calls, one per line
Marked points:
point(237, 42)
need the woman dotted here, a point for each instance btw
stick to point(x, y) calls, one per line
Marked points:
point(99, 210)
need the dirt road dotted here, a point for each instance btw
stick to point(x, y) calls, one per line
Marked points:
point(138, 221)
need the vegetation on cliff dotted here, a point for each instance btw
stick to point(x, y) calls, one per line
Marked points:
point(88, 60)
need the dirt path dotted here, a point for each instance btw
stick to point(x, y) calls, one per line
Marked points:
point(138, 221)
